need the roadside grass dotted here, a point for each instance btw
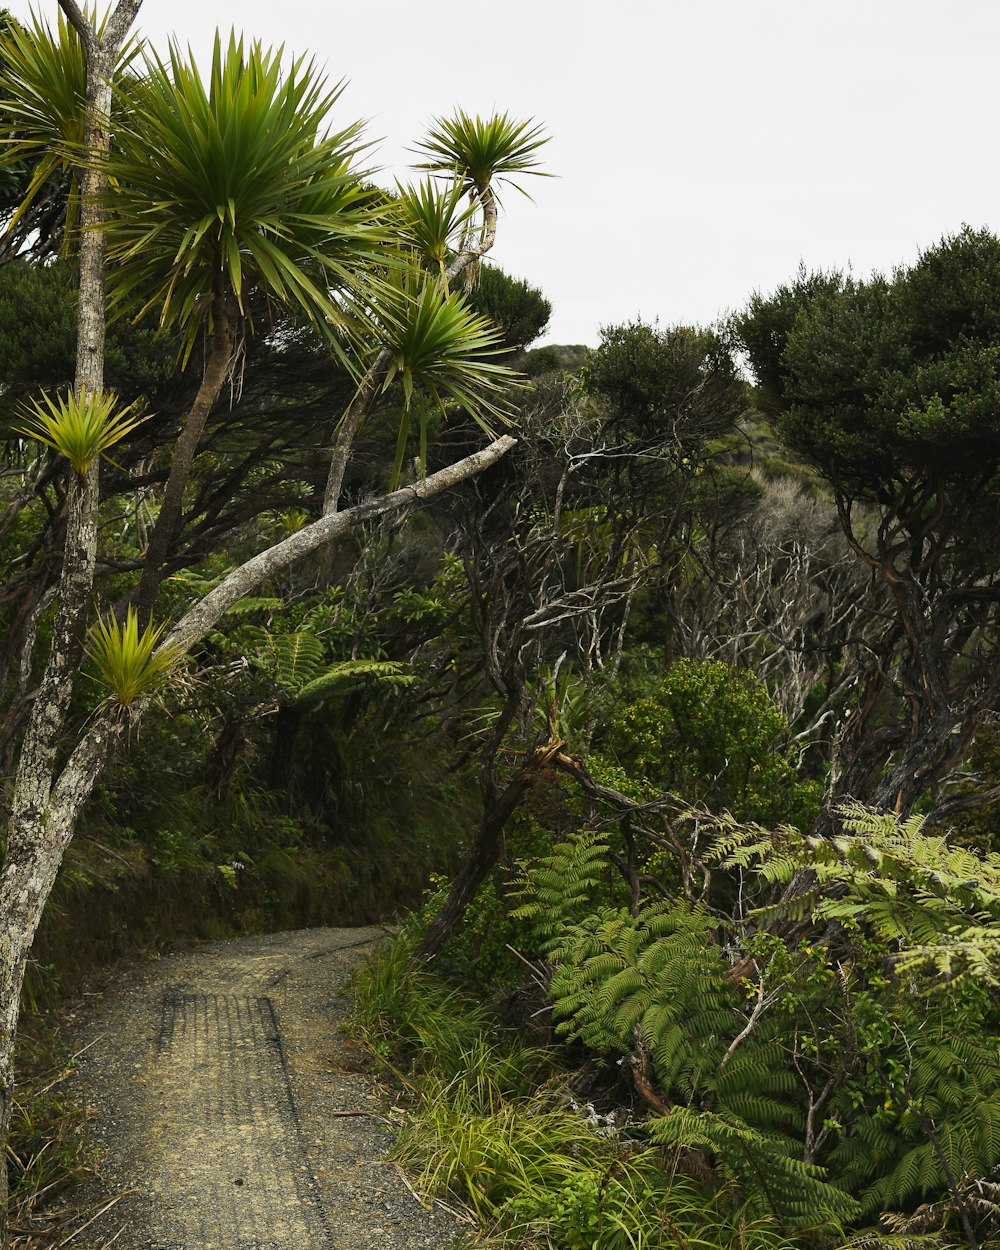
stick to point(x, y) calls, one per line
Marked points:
point(47, 1151)
point(495, 1129)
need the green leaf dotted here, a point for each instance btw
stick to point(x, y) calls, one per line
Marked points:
point(346, 676)
point(43, 90)
point(483, 151)
point(440, 346)
point(79, 426)
point(247, 189)
point(128, 661)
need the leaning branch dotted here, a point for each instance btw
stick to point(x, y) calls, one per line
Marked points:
point(205, 614)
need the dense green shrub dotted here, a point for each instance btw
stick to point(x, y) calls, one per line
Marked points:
point(711, 734)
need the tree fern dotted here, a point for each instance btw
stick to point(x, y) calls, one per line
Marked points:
point(347, 675)
point(941, 1115)
point(936, 907)
point(848, 1071)
point(296, 663)
point(770, 1176)
point(292, 660)
point(618, 973)
point(554, 889)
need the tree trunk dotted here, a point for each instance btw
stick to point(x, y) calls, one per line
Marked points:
point(43, 814)
point(477, 866)
point(165, 529)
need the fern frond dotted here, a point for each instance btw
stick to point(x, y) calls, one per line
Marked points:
point(553, 890)
point(346, 676)
point(771, 1179)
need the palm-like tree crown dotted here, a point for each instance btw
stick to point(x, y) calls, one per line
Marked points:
point(233, 184)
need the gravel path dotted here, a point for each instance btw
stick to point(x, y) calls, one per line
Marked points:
point(230, 1112)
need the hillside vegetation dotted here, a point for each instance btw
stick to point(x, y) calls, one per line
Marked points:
point(655, 699)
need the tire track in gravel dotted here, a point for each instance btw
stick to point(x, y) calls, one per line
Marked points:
point(231, 1114)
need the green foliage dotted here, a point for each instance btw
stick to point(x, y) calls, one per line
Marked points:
point(37, 335)
point(79, 426)
point(539, 1169)
point(934, 909)
point(408, 1015)
point(296, 662)
point(519, 310)
point(556, 889)
point(43, 90)
point(433, 220)
point(44, 86)
point(657, 976)
point(763, 329)
point(848, 1072)
point(483, 151)
point(478, 956)
point(712, 735)
point(526, 1158)
point(679, 384)
point(772, 1179)
point(438, 344)
point(934, 1099)
point(350, 675)
point(130, 662)
point(247, 188)
point(47, 1148)
point(655, 984)
point(877, 381)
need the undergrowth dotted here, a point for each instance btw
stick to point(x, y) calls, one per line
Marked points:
point(822, 1058)
point(47, 1149)
point(495, 1126)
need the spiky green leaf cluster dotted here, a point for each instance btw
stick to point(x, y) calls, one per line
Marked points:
point(43, 89)
point(482, 151)
point(80, 426)
point(128, 660)
point(440, 346)
point(247, 189)
point(433, 219)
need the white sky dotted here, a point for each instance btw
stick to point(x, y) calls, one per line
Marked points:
point(702, 147)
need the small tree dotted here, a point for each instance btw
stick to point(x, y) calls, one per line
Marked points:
point(891, 389)
point(596, 503)
point(711, 734)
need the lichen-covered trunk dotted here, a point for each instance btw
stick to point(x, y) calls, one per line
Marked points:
point(37, 832)
point(43, 810)
point(36, 844)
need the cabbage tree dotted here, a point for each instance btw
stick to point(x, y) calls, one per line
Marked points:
point(204, 191)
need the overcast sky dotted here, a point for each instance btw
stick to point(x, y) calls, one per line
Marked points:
point(703, 148)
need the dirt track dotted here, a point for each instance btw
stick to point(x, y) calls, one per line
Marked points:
point(226, 1106)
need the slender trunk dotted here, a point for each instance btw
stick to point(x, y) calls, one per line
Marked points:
point(43, 814)
point(34, 853)
point(479, 863)
point(466, 260)
point(498, 808)
point(181, 462)
point(347, 430)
